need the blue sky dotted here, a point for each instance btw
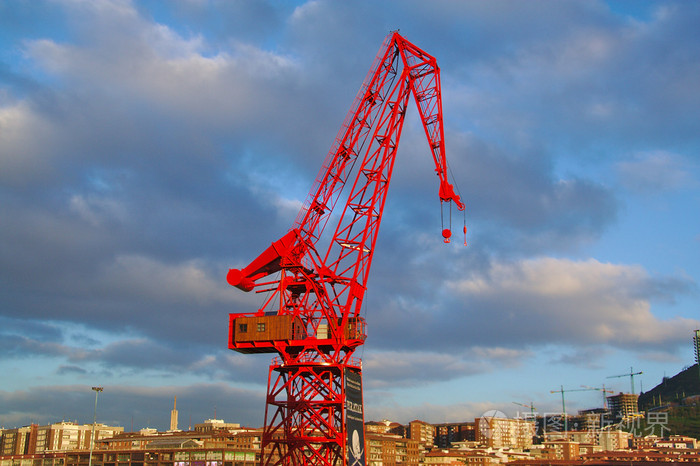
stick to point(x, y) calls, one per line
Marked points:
point(148, 147)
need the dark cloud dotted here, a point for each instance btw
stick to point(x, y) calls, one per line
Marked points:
point(584, 357)
point(44, 331)
point(221, 21)
point(18, 345)
point(520, 200)
point(67, 370)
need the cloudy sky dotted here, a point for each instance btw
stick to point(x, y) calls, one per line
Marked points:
point(147, 147)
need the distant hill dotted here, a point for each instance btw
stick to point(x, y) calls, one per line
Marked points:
point(679, 396)
point(672, 390)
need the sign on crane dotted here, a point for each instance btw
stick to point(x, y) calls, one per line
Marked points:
point(311, 317)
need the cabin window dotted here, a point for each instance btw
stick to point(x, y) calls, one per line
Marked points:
point(243, 328)
point(261, 327)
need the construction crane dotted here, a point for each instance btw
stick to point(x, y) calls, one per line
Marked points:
point(311, 316)
point(631, 375)
point(563, 402)
point(603, 390)
point(531, 406)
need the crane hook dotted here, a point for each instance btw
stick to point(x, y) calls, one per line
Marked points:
point(446, 233)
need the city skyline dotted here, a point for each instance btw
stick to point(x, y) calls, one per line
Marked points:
point(199, 420)
point(148, 147)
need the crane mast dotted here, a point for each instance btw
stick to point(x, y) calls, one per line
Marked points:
point(311, 317)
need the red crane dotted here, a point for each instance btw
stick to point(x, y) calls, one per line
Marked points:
point(311, 317)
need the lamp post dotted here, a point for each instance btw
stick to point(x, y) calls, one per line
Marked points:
point(97, 390)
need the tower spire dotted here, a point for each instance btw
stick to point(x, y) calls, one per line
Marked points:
point(173, 416)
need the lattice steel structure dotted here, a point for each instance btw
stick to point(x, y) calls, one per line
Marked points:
point(311, 318)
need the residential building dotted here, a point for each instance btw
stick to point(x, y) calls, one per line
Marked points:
point(446, 435)
point(390, 450)
point(18, 441)
point(472, 456)
point(424, 434)
point(61, 436)
point(561, 449)
point(643, 456)
point(499, 432)
point(677, 442)
point(614, 440)
point(605, 439)
point(443, 457)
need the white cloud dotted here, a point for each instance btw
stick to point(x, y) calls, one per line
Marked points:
point(23, 133)
point(575, 301)
point(127, 61)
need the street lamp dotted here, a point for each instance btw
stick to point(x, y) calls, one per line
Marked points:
point(97, 390)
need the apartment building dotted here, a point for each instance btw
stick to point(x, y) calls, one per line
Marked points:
point(447, 434)
point(605, 439)
point(390, 450)
point(424, 434)
point(151, 448)
point(497, 432)
point(61, 436)
point(443, 457)
point(562, 450)
point(677, 442)
point(17, 441)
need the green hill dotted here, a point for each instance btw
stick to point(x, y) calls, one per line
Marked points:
point(672, 391)
point(679, 396)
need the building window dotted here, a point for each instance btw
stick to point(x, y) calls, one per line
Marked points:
point(243, 328)
point(261, 327)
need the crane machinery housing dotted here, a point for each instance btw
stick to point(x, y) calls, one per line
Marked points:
point(311, 316)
